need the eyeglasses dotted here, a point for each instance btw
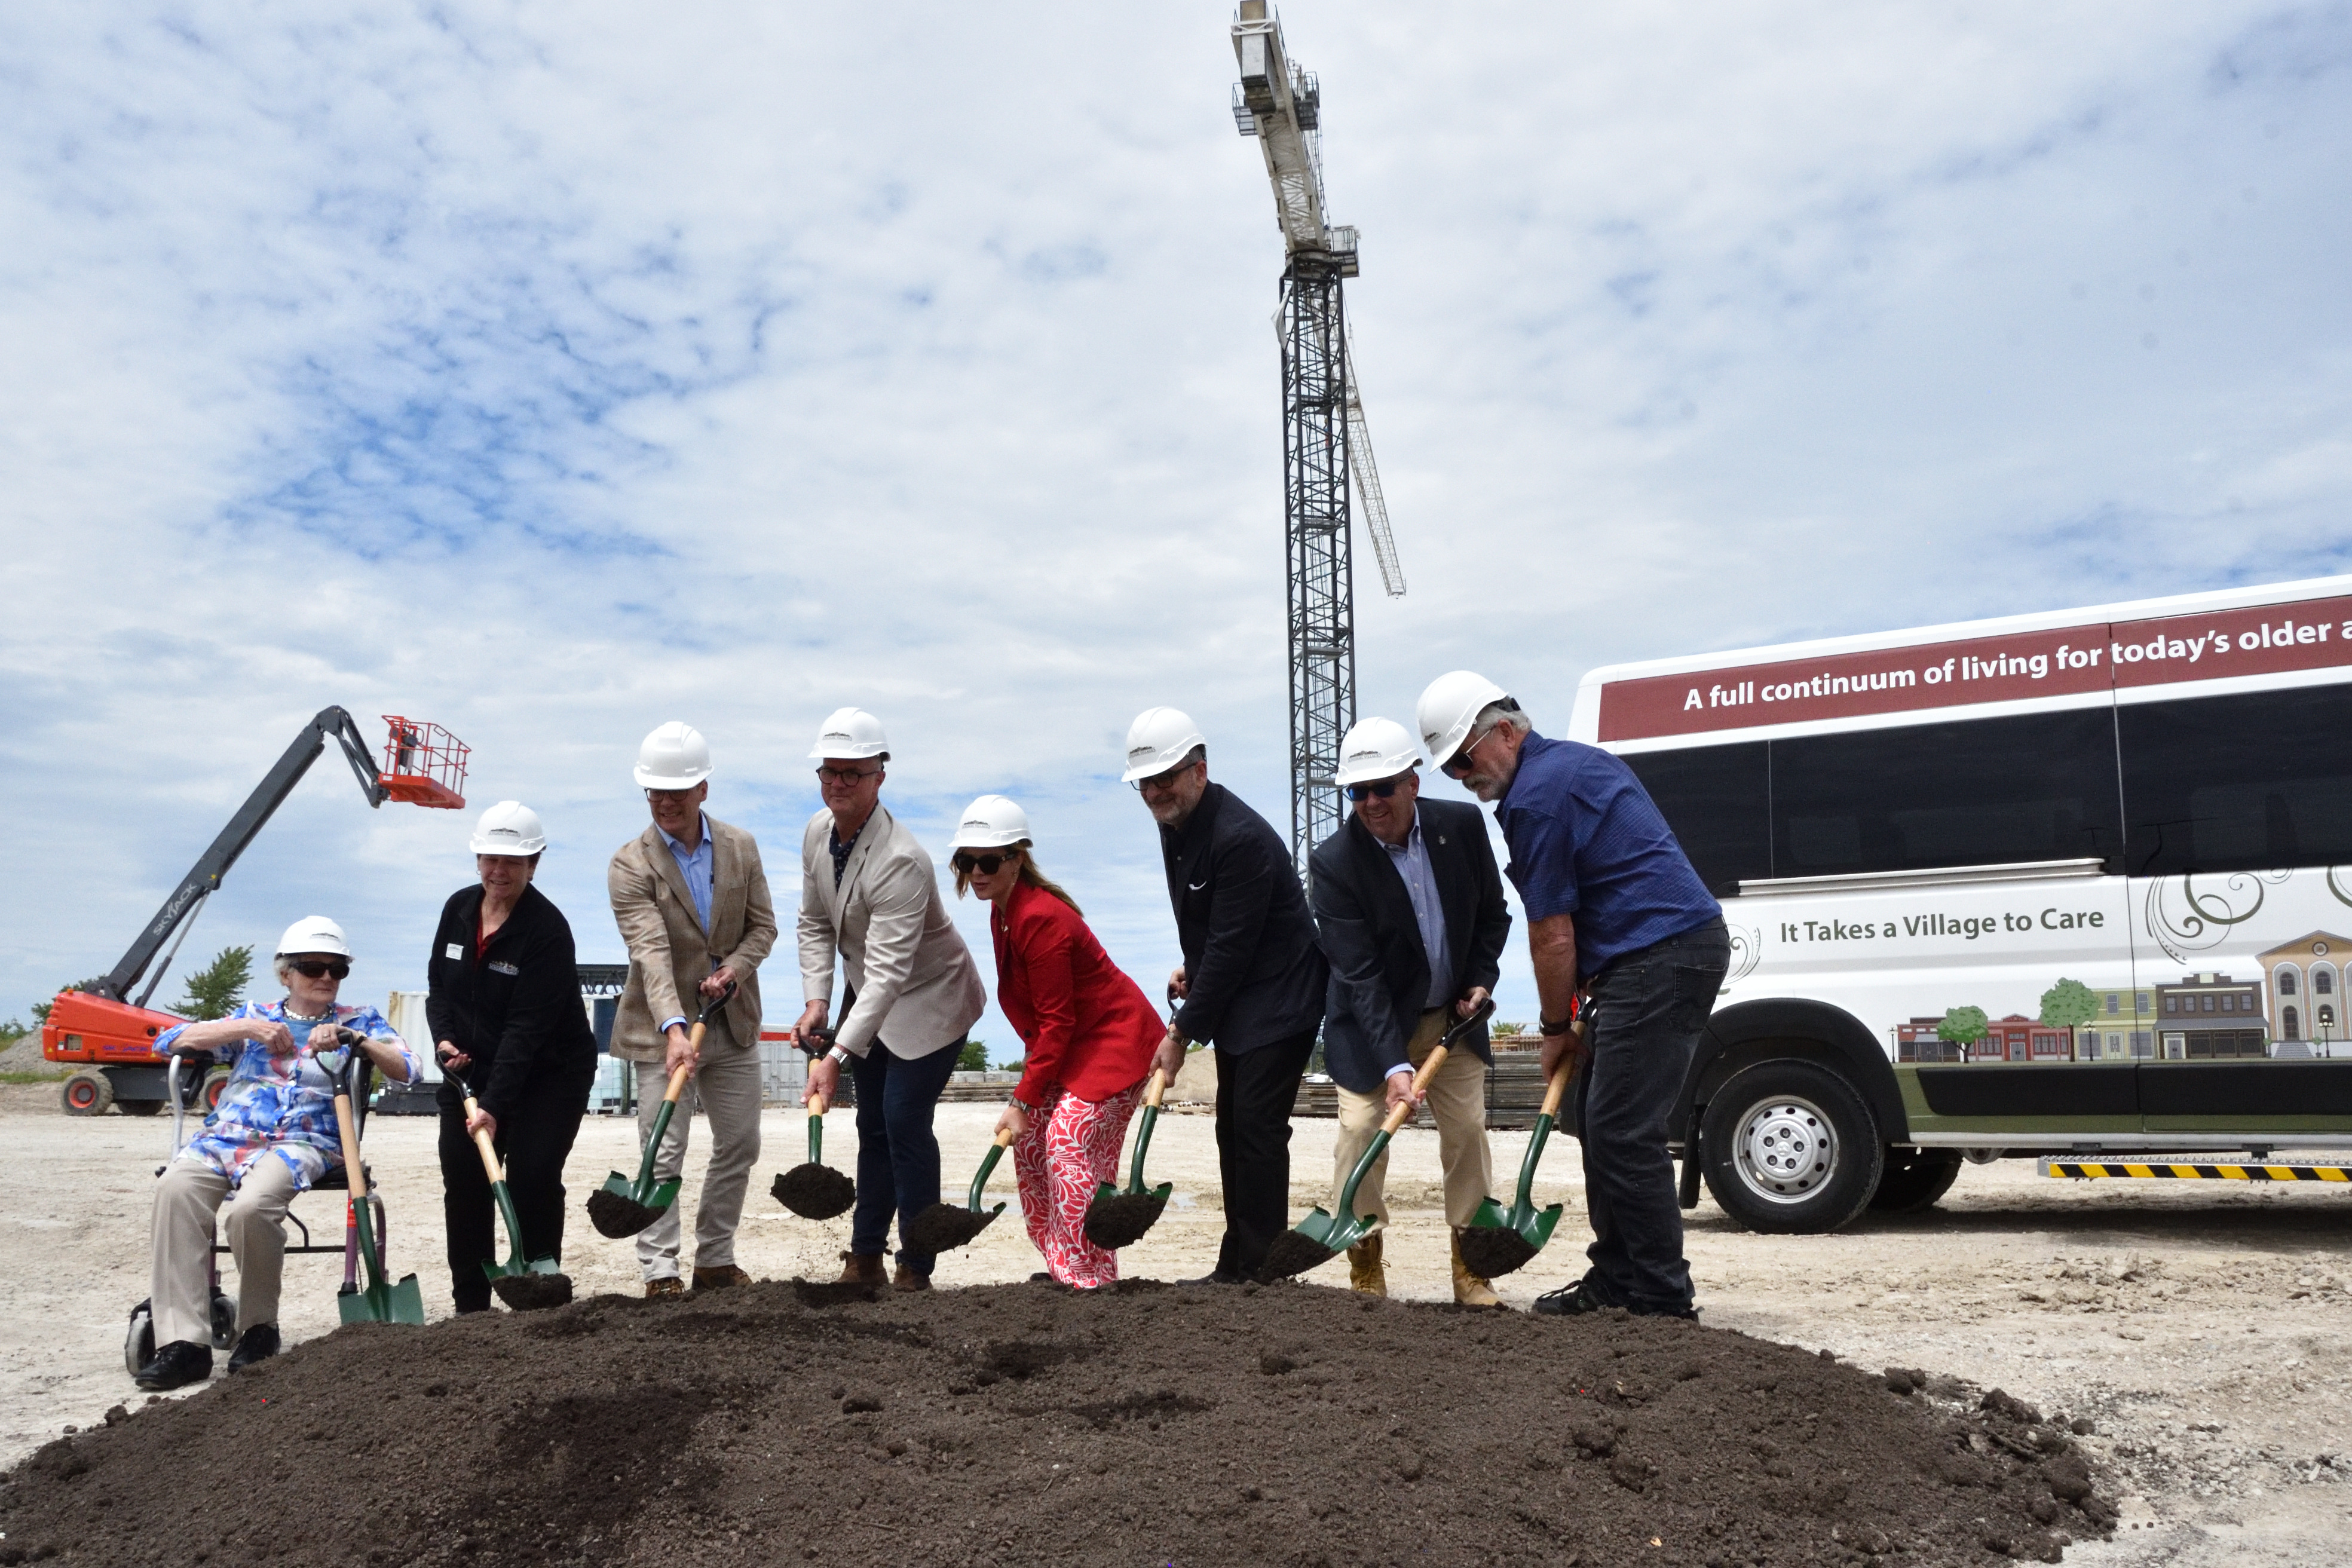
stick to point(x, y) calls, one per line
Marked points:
point(844, 777)
point(312, 969)
point(986, 865)
point(670, 796)
point(1160, 782)
point(1456, 765)
point(1380, 791)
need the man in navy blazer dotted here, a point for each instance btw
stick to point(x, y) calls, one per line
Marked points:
point(1410, 906)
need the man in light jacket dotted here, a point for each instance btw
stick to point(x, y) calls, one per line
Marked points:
point(870, 897)
point(692, 903)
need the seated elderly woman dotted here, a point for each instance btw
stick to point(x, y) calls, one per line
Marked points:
point(273, 1135)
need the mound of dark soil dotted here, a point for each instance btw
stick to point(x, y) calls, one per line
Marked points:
point(1027, 1424)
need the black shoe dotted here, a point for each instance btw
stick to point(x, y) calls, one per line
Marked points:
point(258, 1342)
point(1579, 1299)
point(1218, 1277)
point(176, 1366)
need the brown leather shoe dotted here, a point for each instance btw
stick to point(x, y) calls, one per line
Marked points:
point(665, 1289)
point(724, 1277)
point(907, 1279)
point(1366, 1272)
point(863, 1268)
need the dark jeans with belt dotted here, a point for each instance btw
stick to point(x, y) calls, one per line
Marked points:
point(1255, 1092)
point(897, 1155)
point(534, 1138)
point(1648, 1008)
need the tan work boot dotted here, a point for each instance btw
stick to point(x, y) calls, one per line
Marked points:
point(720, 1277)
point(907, 1279)
point(1366, 1272)
point(1469, 1290)
point(863, 1268)
point(664, 1287)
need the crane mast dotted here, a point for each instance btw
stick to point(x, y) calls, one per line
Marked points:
point(1324, 438)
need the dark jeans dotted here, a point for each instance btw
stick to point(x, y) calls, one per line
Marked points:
point(1256, 1093)
point(1648, 1008)
point(534, 1139)
point(898, 1156)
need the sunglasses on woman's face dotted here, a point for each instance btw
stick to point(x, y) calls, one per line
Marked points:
point(312, 969)
point(986, 865)
point(1382, 790)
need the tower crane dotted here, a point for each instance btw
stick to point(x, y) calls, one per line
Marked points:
point(1324, 440)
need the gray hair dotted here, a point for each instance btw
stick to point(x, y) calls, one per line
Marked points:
point(1505, 713)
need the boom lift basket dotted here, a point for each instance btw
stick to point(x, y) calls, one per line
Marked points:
point(424, 765)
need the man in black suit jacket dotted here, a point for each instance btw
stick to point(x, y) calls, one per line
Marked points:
point(1413, 919)
point(1252, 982)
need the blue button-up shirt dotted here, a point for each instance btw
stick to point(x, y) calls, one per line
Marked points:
point(1411, 860)
point(694, 865)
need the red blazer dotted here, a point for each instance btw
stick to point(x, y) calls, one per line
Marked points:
point(1088, 1028)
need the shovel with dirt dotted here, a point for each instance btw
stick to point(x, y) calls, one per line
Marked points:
point(942, 1228)
point(524, 1286)
point(377, 1303)
point(1497, 1242)
point(621, 1207)
point(814, 1190)
point(1322, 1237)
point(1116, 1218)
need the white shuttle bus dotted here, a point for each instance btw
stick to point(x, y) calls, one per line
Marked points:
point(2073, 883)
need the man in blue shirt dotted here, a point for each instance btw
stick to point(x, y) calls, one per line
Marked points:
point(1616, 912)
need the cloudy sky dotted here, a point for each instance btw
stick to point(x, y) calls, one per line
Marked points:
point(551, 372)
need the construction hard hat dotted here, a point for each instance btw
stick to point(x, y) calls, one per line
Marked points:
point(1449, 706)
point(313, 933)
point(1159, 739)
point(511, 828)
point(992, 822)
point(674, 756)
point(851, 733)
point(1375, 749)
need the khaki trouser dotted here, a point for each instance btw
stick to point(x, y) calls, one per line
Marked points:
point(179, 1280)
point(1457, 1099)
point(726, 1086)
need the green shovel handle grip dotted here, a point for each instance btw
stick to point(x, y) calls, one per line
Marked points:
point(988, 1165)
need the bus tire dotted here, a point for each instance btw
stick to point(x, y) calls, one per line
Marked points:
point(1914, 1179)
point(1789, 1149)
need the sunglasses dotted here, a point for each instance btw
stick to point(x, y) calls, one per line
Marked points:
point(1456, 765)
point(312, 969)
point(1159, 783)
point(986, 865)
point(1380, 791)
point(844, 777)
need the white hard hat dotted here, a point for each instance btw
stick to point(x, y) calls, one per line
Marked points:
point(1449, 706)
point(511, 828)
point(313, 933)
point(1159, 739)
point(1375, 749)
point(851, 733)
point(992, 822)
point(674, 756)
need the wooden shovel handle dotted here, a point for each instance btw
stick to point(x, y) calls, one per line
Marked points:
point(1561, 1074)
point(482, 1142)
point(1004, 1137)
point(1405, 1107)
point(1153, 1090)
point(816, 1103)
point(686, 1069)
point(346, 1130)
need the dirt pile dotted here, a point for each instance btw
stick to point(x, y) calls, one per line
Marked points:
point(1025, 1424)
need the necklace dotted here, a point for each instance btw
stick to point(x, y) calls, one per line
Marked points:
point(294, 1017)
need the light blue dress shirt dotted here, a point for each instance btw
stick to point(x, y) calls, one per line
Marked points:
point(1411, 860)
point(694, 865)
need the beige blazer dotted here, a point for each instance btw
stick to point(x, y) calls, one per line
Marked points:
point(670, 954)
point(918, 988)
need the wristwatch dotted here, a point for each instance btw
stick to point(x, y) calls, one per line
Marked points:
point(837, 1056)
point(1548, 1027)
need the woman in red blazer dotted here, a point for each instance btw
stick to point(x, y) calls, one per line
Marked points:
point(1089, 1031)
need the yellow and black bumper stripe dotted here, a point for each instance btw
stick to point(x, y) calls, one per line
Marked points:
point(2082, 1171)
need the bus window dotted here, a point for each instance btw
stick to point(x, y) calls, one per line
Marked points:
point(1714, 797)
point(2256, 781)
point(2035, 787)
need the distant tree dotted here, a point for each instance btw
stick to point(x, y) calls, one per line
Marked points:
point(217, 987)
point(41, 1009)
point(1015, 1064)
point(973, 1057)
point(1506, 1030)
point(1964, 1026)
point(2069, 1005)
point(12, 1031)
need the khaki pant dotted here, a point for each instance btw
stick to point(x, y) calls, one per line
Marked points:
point(1457, 1099)
point(187, 1196)
point(726, 1086)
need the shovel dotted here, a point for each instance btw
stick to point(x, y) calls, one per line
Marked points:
point(621, 1208)
point(522, 1286)
point(1116, 1218)
point(378, 1302)
point(943, 1226)
point(815, 1190)
point(1496, 1242)
point(1322, 1237)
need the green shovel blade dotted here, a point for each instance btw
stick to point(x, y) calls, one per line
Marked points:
point(401, 1303)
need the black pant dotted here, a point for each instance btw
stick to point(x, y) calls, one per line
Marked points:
point(1648, 1008)
point(534, 1139)
point(1256, 1093)
point(898, 1153)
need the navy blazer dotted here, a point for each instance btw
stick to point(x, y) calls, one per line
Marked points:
point(1252, 971)
point(1379, 971)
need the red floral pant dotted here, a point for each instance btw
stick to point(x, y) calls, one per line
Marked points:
point(1071, 1145)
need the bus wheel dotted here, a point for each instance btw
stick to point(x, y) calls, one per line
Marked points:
point(1789, 1149)
point(1914, 1179)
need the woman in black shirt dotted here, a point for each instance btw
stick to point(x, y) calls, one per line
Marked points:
point(505, 1012)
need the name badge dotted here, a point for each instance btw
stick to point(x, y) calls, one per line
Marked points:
point(503, 967)
point(453, 951)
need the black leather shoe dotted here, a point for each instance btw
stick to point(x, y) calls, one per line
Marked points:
point(1576, 1301)
point(1218, 1277)
point(176, 1366)
point(258, 1342)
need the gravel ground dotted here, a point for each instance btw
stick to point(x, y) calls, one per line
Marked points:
point(2201, 1327)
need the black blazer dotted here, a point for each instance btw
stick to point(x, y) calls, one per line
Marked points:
point(1379, 971)
point(516, 1008)
point(1254, 974)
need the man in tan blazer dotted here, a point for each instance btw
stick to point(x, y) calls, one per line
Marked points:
point(692, 903)
point(870, 896)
